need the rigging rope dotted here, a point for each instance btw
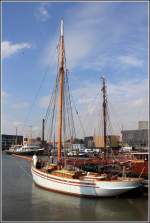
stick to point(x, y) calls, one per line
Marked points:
point(34, 99)
point(81, 124)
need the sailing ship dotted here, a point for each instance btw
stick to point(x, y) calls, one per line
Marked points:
point(70, 180)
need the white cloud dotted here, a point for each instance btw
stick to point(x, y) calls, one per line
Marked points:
point(131, 60)
point(85, 100)
point(20, 105)
point(4, 95)
point(9, 48)
point(80, 36)
point(4, 98)
point(93, 40)
point(44, 101)
point(17, 123)
point(128, 103)
point(7, 126)
point(35, 128)
point(42, 12)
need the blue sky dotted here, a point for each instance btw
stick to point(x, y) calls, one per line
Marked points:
point(105, 38)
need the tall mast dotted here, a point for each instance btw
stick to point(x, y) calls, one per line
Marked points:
point(16, 135)
point(30, 134)
point(43, 130)
point(104, 114)
point(60, 98)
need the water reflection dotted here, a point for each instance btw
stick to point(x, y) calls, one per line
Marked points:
point(22, 200)
point(65, 207)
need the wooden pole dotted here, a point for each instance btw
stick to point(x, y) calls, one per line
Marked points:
point(60, 99)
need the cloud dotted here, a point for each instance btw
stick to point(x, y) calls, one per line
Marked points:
point(130, 60)
point(128, 103)
point(4, 95)
point(17, 123)
point(80, 36)
point(44, 101)
point(4, 98)
point(94, 40)
point(9, 48)
point(42, 12)
point(20, 105)
point(106, 37)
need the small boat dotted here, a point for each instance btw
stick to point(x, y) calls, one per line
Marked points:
point(69, 179)
point(25, 150)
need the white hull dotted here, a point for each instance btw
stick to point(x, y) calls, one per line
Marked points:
point(84, 187)
point(25, 151)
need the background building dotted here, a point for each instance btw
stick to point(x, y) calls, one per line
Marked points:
point(35, 141)
point(89, 142)
point(143, 125)
point(99, 141)
point(135, 138)
point(112, 141)
point(9, 140)
point(72, 141)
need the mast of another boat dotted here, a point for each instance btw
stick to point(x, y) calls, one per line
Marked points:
point(16, 134)
point(104, 116)
point(30, 137)
point(43, 131)
point(60, 98)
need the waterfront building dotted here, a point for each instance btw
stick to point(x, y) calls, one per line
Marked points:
point(143, 125)
point(9, 140)
point(36, 141)
point(135, 138)
point(112, 141)
point(89, 142)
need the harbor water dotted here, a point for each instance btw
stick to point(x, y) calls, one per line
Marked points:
point(22, 200)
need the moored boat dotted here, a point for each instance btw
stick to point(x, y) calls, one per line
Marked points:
point(82, 183)
point(70, 180)
point(25, 150)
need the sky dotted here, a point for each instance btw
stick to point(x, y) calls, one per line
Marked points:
point(107, 39)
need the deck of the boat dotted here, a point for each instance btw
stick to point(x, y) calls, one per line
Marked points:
point(72, 174)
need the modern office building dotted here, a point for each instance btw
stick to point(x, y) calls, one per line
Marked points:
point(135, 138)
point(143, 125)
point(9, 140)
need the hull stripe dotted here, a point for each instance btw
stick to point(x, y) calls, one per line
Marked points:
point(66, 193)
point(64, 181)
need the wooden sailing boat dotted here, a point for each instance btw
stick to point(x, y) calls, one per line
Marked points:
point(76, 182)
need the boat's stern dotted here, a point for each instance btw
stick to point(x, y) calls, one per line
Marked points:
point(117, 187)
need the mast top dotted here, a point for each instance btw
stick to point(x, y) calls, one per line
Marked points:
point(103, 78)
point(62, 28)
